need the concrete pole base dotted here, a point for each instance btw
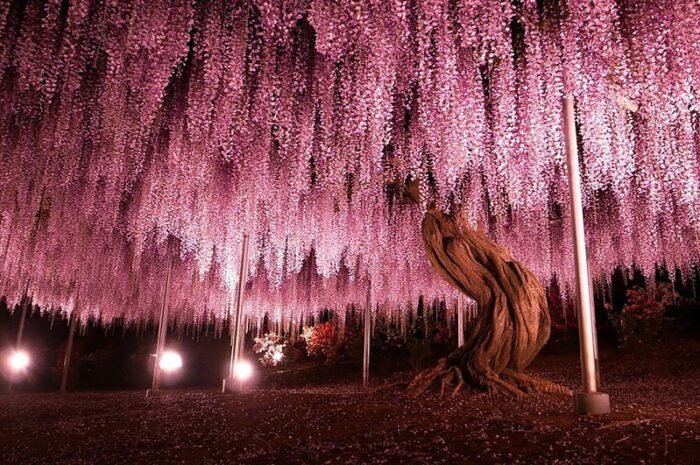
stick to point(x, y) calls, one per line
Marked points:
point(591, 403)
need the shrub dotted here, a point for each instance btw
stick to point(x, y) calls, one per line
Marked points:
point(641, 319)
point(271, 347)
point(323, 341)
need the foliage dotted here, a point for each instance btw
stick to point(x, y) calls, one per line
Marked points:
point(271, 346)
point(426, 338)
point(641, 319)
point(323, 340)
point(559, 309)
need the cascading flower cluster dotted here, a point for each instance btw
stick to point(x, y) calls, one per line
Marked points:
point(271, 347)
point(136, 133)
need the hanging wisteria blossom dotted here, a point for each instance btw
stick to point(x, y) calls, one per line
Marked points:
point(134, 133)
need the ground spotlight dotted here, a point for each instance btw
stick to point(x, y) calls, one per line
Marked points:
point(170, 361)
point(243, 370)
point(18, 360)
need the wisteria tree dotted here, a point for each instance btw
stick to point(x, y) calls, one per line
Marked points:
point(514, 320)
point(347, 138)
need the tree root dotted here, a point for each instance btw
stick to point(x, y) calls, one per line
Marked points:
point(535, 384)
point(509, 382)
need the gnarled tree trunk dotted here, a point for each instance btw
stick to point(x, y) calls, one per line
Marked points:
point(513, 323)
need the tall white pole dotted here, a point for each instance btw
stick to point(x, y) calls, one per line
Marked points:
point(596, 355)
point(460, 321)
point(367, 327)
point(20, 331)
point(162, 328)
point(589, 401)
point(69, 345)
point(238, 329)
point(23, 316)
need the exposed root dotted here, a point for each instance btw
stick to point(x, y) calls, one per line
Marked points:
point(532, 384)
point(509, 382)
point(495, 385)
point(426, 378)
point(460, 381)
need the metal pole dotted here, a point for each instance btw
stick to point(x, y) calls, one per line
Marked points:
point(237, 334)
point(241, 338)
point(367, 327)
point(20, 331)
point(596, 356)
point(589, 401)
point(162, 328)
point(69, 345)
point(460, 321)
point(22, 319)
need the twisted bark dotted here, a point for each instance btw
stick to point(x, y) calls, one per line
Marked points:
point(513, 323)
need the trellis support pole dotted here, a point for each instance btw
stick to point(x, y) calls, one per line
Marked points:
point(238, 329)
point(589, 400)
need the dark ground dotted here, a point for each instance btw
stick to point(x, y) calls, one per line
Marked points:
point(324, 417)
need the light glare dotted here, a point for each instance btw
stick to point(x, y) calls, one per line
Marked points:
point(170, 361)
point(19, 361)
point(243, 370)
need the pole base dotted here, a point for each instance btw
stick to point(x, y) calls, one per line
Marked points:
point(231, 385)
point(591, 403)
point(154, 392)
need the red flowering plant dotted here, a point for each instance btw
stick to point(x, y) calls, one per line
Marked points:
point(323, 340)
point(641, 319)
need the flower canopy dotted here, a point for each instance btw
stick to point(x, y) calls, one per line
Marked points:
point(133, 133)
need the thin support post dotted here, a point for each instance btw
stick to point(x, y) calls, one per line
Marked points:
point(69, 346)
point(241, 338)
point(162, 328)
point(238, 329)
point(367, 333)
point(589, 401)
point(22, 319)
point(460, 321)
point(596, 356)
point(20, 331)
